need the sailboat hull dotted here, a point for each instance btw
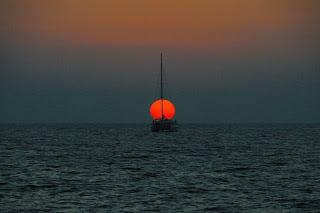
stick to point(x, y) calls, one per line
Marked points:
point(164, 125)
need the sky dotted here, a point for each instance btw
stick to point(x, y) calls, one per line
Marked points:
point(232, 61)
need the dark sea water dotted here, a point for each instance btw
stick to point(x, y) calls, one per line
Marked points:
point(114, 168)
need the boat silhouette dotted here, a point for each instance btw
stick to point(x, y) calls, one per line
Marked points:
point(163, 118)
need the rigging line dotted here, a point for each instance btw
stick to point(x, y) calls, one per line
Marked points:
point(165, 83)
point(157, 83)
point(161, 92)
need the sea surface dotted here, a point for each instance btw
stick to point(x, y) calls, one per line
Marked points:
point(127, 168)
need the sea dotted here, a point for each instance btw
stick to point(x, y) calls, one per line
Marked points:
point(128, 168)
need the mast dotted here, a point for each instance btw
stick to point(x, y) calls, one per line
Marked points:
point(161, 88)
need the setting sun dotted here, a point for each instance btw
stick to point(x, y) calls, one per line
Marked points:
point(168, 109)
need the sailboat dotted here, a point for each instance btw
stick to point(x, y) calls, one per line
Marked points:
point(162, 110)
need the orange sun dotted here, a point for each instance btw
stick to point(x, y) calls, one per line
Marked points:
point(168, 109)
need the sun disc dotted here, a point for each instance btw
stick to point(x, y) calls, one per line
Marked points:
point(156, 109)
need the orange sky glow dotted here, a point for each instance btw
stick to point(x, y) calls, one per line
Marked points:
point(165, 22)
